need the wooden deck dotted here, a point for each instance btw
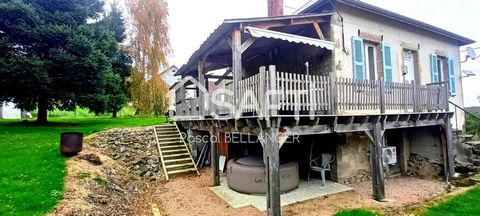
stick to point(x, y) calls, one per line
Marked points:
point(273, 93)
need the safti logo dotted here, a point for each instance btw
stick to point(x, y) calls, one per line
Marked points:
point(209, 103)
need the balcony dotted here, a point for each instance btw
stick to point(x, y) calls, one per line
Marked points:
point(270, 93)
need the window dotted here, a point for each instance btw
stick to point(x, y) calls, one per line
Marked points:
point(365, 60)
point(443, 70)
point(409, 66)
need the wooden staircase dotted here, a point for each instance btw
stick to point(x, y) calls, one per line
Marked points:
point(174, 153)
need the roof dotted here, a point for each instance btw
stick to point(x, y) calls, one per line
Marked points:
point(311, 6)
point(226, 27)
point(172, 68)
point(292, 38)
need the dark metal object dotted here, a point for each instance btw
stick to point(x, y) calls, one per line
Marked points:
point(71, 143)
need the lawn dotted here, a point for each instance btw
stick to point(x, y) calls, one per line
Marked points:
point(356, 212)
point(463, 204)
point(31, 168)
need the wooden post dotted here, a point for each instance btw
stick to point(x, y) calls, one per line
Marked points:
point(273, 87)
point(333, 94)
point(447, 101)
point(261, 94)
point(450, 159)
point(201, 80)
point(272, 163)
point(382, 96)
point(214, 160)
point(377, 163)
point(414, 95)
point(236, 64)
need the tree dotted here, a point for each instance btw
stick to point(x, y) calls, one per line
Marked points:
point(149, 48)
point(115, 90)
point(51, 57)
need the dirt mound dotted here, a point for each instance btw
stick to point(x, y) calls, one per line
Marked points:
point(96, 184)
point(134, 148)
point(422, 167)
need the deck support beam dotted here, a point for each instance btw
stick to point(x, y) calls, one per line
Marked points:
point(236, 63)
point(214, 160)
point(376, 153)
point(271, 158)
point(449, 146)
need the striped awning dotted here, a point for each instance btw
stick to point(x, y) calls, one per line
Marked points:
point(259, 33)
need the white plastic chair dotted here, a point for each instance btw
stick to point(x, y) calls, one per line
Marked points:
point(321, 164)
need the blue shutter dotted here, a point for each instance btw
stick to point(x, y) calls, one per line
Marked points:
point(387, 62)
point(451, 78)
point(358, 58)
point(434, 68)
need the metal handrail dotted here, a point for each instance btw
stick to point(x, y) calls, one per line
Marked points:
point(463, 109)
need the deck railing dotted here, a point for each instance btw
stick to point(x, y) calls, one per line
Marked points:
point(279, 93)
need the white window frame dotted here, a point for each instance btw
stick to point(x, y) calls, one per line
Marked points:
point(366, 57)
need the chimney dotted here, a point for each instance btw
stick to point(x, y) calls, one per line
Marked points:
point(275, 8)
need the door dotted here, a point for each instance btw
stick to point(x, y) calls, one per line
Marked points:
point(409, 66)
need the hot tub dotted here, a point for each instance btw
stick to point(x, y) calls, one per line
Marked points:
point(247, 175)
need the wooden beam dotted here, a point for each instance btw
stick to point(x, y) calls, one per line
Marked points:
point(236, 64)
point(272, 164)
point(247, 44)
point(449, 146)
point(224, 75)
point(214, 160)
point(376, 153)
point(201, 80)
point(219, 77)
point(318, 30)
point(288, 22)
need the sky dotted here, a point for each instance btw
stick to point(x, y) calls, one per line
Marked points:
point(191, 21)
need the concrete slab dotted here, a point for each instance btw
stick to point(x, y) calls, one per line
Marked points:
point(305, 191)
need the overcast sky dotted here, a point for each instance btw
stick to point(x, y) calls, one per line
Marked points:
point(192, 21)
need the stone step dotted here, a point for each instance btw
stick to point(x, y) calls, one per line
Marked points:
point(169, 135)
point(169, 139)
point(165, 126)
point(178, 165)
point(170, 142)
point(465, 136)
point(175, 155)
point(473, 143)
point(181, 171)
point(177, 160)
point(174, 151)
point(167, 131)
point(172, 147)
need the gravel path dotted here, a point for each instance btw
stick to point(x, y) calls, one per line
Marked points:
point(191, 195)
point(404, 190)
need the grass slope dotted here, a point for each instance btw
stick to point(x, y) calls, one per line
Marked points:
point(463, 204)
point(356, 212)
point(32, 170)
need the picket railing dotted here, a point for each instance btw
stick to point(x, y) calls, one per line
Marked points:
point(279, 93)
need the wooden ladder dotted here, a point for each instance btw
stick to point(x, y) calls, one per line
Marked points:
point(174, 152)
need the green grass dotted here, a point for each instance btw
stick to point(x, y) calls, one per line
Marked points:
point(32, 170)
point(126, 111)
point(463, 204)
point(356, 212)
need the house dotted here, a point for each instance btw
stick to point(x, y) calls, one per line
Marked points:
point(9, 111)
point(168, 75)
point(348, 78)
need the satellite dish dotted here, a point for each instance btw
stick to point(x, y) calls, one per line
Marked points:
point(471, 53)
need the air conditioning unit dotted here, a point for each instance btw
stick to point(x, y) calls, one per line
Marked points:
point(390, 155)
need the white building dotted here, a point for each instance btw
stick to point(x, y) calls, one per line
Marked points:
point(9, 111)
